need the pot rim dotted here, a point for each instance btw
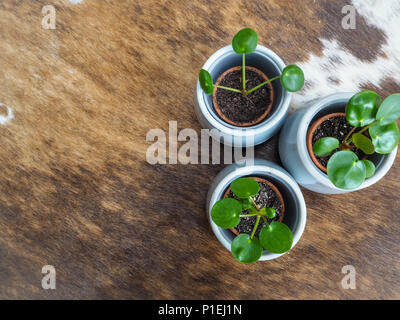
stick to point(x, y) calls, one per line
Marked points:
point(273, 187)
point(245, 124)
point(259, 128)
point(310, 134)
point(340, 97)
point(261, 167)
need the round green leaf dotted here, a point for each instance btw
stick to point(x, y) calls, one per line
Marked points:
point(369, 168)
point(362, 107)
point(389, 110)
point(277, 238)
point(364, 143)
point(245, 187)
point(246, 203)
point(324, 146)
point(345, 170)
point(384, 137)
point(292, 78)
point(206, 81)
point(245, 41)
point(246, 250)
point(226, 213)
point(269, 212)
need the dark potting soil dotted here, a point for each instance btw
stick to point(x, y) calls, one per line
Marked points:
point(336, 127)
point(266, 198)
point(242, 108)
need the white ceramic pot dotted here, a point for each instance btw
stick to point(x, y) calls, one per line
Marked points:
point(296, 159)
point(295, 207)
point(268, 62)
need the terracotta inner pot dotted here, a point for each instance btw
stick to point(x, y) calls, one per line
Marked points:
point(280, 197)
point(310, 134)
point(245, 124)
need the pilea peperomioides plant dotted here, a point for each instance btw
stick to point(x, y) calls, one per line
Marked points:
point(275, 237)
point(245, 42)
point(374, 130)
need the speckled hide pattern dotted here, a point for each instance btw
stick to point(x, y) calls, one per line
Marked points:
point(366, 57)
point(77, 193)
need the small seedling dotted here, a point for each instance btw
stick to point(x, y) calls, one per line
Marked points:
point(364, 111)
point(275, 237)
point(245, 42)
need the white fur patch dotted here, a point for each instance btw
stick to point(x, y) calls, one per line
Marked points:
point(75, 1)
point(8, 117)
point(337, 70)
